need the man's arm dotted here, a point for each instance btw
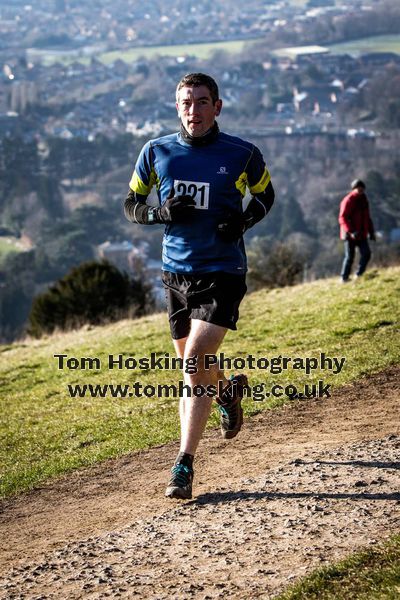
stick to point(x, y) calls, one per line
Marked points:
point(345, 216)
point(137, 211)
point(176, 209)
point(259, 206)
point(258, 181)
point(143, 179)
point(260, 186)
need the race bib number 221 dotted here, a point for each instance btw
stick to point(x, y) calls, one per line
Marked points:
point(199, 191)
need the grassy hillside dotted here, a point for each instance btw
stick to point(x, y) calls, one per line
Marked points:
point(45, 432)
point(373, 573)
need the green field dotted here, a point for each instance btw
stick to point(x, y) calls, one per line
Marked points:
point(8, 246)
point(379, 43)
point(201, 50)
point(44, 432)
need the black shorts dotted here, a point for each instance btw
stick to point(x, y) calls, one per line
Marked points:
point(212, 297)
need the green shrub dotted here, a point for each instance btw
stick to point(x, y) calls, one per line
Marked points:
point(273, 264)
point(94, 292)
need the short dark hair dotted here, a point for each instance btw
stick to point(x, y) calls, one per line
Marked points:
point(357, 183)
point(198, 79)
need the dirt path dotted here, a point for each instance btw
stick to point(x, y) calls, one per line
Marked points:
point(299, 487)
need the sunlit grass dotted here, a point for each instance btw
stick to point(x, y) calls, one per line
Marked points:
point(372, 574)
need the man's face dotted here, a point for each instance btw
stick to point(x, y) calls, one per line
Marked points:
point(197, 110)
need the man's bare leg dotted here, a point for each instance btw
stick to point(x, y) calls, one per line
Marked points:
point(204, 338)
point(179, 346)
point(215, 374)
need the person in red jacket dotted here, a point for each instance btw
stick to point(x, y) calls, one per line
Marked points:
point(355, 228)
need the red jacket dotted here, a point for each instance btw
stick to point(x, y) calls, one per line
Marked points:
point(354, 216)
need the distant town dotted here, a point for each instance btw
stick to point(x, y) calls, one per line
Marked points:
point(83, 96)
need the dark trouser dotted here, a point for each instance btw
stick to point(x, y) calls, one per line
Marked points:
point(350, 249)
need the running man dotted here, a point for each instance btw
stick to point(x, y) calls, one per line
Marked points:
point(201, 175)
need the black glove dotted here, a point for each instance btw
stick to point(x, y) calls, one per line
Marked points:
point(176, 209)
point(232, 228)
point(372, 237)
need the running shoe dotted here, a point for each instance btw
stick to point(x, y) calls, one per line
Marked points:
point(180, 484)
point(230, 407)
